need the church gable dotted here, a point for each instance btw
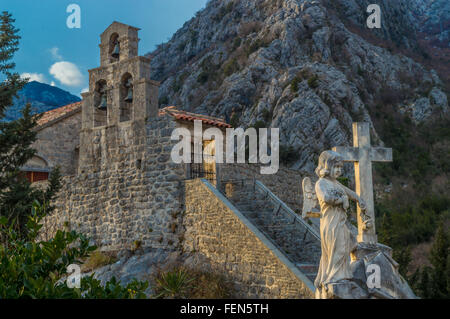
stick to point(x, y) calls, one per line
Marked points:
point(57, 140)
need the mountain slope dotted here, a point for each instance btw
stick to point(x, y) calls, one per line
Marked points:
point(296, 65)
point(42, 98)
point(434, 20)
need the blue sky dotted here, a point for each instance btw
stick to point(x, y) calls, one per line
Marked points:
point(48, 44)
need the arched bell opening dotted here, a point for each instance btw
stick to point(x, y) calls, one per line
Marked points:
point(114, 47)
point(126, 97)
point(100, 103)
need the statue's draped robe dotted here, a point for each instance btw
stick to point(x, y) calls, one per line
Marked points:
point(335, 236)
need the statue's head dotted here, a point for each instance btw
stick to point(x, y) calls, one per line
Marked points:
point(330, 164)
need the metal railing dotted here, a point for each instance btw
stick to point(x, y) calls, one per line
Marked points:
point(285, 210)
point(281, 226)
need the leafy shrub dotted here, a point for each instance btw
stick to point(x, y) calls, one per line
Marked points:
point(209, 71)
point(203, 77)
point(30, 268)
point(224, 10)
point(173, 284)
point(434, 282)
point(294, 83)
point(267, 115)
point(178, 83)
point(313, 81)
point(181, 46)
point(288, 154)
point(237, 43)
point(249, 27)
point(234, 121)
point(194, 37)
point(256, 45)
point(180, 282)
point(208, 285)
point(97, 259)
point(92, 289)
point(360, 71)
point(230, 67)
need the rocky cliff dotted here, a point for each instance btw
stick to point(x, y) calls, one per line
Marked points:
point(310, 68)
point(434, 20)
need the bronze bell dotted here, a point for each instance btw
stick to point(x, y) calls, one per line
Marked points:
point(129, 97)
point(116, 51)
point(103, 104)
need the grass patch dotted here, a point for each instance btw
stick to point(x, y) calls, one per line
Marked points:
point(313, 81)
point(230, 67)
point(98, 259)
point(180, 282)
point(295, 82)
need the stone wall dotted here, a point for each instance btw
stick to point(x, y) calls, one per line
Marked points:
point(236, 248)
point(286, 183)
point(133, 198)
point(56, 143)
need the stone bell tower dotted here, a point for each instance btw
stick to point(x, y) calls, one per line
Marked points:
point(121, 95)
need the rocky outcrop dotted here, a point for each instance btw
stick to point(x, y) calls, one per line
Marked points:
point(297, 65)
point(434, 20)
point(141, 265)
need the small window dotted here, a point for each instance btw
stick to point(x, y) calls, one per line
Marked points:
point(36, 176)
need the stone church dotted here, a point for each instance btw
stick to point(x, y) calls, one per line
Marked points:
point(121, 188)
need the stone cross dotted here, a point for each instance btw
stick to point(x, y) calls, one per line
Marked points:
point(362, 154)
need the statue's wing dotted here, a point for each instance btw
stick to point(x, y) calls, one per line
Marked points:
point(310, 202)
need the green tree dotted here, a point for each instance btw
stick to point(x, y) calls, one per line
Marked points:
point(424, 283)
point(433, 282)
point(16, 138)
point(439, 259)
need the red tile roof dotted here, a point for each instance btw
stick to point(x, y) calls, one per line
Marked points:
point(55, 114)
point(191, 117)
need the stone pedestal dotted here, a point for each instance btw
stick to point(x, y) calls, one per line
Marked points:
point(367, 261)
point(379, 258)
point(345, 289)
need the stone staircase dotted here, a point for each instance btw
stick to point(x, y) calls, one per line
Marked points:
point(295, 238)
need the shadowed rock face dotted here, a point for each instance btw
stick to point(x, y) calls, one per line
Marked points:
point(296, 65)
point(42, 97)
point(434, 20)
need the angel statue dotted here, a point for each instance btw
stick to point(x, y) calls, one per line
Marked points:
point(337, 239)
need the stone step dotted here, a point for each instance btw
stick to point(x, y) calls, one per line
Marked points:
point(285, 232)
point(255, 206)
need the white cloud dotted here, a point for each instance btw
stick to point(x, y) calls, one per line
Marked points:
point(67, 73)
point(55, 53)
point(34, 77)
point(85, 90)
point(52, 83)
